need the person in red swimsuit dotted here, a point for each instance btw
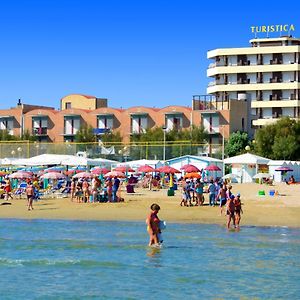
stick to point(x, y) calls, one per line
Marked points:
point(152, 222)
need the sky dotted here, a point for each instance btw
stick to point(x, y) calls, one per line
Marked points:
point(151, 53)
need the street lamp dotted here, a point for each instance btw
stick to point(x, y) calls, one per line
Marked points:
point(223, 149)
point(13, 152)
point(19, 149)
point(164, 153)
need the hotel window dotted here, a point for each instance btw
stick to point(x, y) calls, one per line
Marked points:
point(174, 121)
point(139, 123)
point(68, 105)
point(105, 122)
point(39, 125)
point(7, 123)
point(71, 125)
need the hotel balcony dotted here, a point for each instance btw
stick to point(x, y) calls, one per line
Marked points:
point(210, 104)
point(275, 103)
point(268, 121)
point(234, 86)
point(235, 69)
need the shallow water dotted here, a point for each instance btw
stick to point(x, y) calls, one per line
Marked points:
point(52, 259)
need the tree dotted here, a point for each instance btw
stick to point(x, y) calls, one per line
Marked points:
point(236, 143)
point(85, 134)
point(280, 140)
point(6, 136)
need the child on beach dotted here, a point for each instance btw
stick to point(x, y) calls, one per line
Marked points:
point(153, 222)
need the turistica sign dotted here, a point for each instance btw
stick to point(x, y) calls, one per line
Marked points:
point(273, 28)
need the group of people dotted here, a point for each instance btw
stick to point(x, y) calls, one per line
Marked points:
point(95, 190)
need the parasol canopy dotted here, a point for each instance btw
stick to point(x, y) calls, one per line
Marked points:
point(115, 174)
point(145, 169)
point(53, 175)
point(167, 169)
point(212, 168)
point(99, 170)
point(284, 169)
point(192, 175)
point(189, 168)
point(83, 175)
point(123, 169)
point(20, 175)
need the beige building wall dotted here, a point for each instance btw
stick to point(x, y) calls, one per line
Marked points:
point(82, 102)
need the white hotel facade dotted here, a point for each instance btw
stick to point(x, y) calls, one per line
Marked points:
point(266, 75)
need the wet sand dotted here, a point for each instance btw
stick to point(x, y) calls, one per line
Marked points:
point(279, 210)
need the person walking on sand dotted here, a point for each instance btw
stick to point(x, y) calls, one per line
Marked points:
point(152, 222)
point(29, 193)
point(222, 196)
point(199, 191)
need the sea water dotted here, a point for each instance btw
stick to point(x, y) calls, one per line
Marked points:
point(53, 259)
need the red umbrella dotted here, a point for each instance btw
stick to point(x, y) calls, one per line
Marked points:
point(284, 169)
point(20, 175)
point(115, 174)
point(167, 169)
point(212, 168)
point(53, 175)
point(83, 175)
point(145, 169)
point(98, 171)
point(189, 168)
point(124, 169)
point(70, 172)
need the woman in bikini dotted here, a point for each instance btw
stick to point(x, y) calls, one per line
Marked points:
point(152, 222)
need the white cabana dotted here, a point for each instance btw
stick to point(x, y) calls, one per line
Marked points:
point(134, 164)
point(85, 161)
point(42, 160)
point(201, 162)
point(247, 165)
point(280, 176)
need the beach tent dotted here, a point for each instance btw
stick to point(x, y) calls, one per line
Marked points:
point(247, 165)
point(282, 176)
point(85, 161)
point(201, 162)
point(135, 164)
point(42, 160)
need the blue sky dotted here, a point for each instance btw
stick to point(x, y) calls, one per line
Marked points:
point(150, 53)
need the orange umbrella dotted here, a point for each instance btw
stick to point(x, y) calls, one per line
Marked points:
point(192, 175)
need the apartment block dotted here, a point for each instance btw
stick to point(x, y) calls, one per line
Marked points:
point(265, 76)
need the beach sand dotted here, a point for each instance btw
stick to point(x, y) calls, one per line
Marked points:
point(278, 210)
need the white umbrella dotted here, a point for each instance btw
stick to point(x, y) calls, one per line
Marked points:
point(231, 176)
point(262, 175)
point(53, 175)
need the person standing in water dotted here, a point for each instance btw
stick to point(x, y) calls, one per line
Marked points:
point(152, 222)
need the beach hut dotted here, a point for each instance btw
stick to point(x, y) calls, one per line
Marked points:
point(279, 176)
point(247, 165)
point(201, 162)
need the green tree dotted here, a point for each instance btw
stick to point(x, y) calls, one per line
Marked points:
point(236, 143)
point(26, 136)
point(85, 134)
point(280, 140)
point(5, 136)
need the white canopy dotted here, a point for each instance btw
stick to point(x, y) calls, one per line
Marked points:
point(247, 159)
point(84, 161)
point(42, 160)
point(141, 162)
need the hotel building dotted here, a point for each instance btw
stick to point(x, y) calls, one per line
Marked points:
point(50, 125)
point(265, 76)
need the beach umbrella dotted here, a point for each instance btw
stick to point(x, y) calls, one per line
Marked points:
point(262, 175)
point(145, 169)
point(115, 174)
point(124, 169)
point(212, 168)
point(231, 176)
point(56, 169)
point(99, 170)
point(83, 175)
point(192, 175)
point(53, 175)
point(2, 173)
point(71, 172)
point(189, 168)
point(20, 175)
point(167, 169)
point(284, 169)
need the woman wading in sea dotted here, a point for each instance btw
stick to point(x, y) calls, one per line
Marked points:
point(152, 222)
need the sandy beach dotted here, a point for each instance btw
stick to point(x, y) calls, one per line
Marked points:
point(279, 210)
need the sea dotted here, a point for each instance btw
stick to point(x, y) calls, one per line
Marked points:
point(59, 259)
